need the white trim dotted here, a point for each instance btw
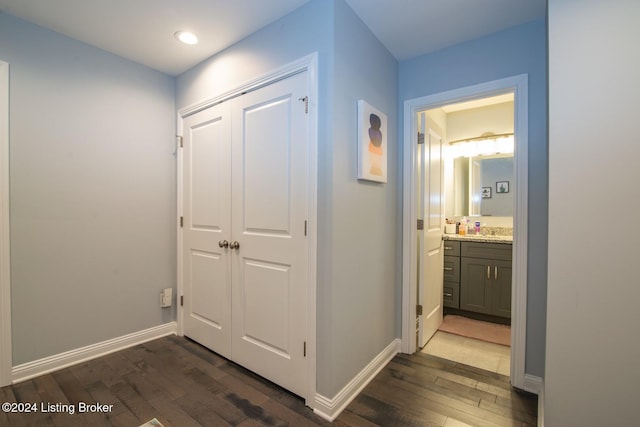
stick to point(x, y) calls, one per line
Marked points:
point(309, 64)
point(62, 360)
point(519, 85)
point(541, 405)
point(312, 227)
point(532, 384)
point(5, 264)
point(330, 408)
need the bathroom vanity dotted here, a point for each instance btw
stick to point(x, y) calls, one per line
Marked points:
point(477, 274)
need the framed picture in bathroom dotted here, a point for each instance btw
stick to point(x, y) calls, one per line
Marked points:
point(502, 187)
point(372, 143)
point(486, 192)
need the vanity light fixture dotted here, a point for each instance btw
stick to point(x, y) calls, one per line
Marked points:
point(186, 37)
point(483, 145)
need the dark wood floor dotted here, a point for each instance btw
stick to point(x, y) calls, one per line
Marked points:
point(182, 384)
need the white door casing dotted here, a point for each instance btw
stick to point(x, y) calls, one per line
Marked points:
point(433, 213)
point(5, 265)
point(271, 233)
point(519, 86)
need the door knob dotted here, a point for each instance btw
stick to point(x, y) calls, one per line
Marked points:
point(234, 245)
point(223, 244)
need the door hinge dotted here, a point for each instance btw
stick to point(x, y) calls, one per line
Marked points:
point(305, 227)
point(420, 138)
point(180, 140)
point(181, 300)
point(305, 99)
point(304, 349)
point(418, 310)
point(421, 224)
point(181, 221)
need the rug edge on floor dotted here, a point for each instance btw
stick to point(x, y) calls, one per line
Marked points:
point(454, 324)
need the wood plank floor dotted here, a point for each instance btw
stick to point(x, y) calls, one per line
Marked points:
point(180, 383)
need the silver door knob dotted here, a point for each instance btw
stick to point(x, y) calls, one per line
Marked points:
point(223, 244)
point(234, 245)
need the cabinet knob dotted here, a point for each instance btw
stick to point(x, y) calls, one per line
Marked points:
point(234, 245)
point(223, 244)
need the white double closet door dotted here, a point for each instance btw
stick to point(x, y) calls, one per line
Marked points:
point(245, 250)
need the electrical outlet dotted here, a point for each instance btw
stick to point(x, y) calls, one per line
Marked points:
point(166, 297)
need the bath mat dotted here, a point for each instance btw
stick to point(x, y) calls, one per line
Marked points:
point(471, 328)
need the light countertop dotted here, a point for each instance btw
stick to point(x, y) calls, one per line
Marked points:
point(479, 238)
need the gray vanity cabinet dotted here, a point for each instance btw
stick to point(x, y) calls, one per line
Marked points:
point(485, 278)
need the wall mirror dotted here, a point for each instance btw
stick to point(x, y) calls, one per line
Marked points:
point(483, 185)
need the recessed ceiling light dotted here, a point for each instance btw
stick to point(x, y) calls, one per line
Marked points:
point(186, 37)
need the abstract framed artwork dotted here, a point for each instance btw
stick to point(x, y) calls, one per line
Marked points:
point(372, 143)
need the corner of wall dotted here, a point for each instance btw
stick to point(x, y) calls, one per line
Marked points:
point(330, 408)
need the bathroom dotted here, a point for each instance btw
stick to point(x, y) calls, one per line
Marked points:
point(478, 193)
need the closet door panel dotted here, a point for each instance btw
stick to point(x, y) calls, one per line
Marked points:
point(267, 168)
point(269, 271)
point(207, 222)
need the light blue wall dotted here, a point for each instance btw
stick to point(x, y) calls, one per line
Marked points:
point(302, 32)
point(518, 50)
point(92, 192)
point(361, 302)
point(358, 272)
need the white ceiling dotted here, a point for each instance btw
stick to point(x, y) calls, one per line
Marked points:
point(142, 30)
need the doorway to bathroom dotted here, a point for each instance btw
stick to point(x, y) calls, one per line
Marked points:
point(466, 315)
point(422, 306)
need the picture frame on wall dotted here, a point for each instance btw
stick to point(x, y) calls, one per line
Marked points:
point(372, 143)
point(502, 187)
point(486, 192)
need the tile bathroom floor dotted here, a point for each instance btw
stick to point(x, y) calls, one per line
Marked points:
point(469, 351)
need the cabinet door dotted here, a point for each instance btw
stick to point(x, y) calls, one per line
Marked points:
point(501, 288)
point(475, 285)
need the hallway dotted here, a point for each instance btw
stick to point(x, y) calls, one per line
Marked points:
point(180, 383)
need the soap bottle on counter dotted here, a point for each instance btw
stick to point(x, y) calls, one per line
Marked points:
point(462, 230)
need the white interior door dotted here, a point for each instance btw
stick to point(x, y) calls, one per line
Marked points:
point(207, 225)
point(270, 192)
point(432, 257)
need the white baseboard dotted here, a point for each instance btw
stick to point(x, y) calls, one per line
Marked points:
point(49, 364)
point(330, 408)
point(532, 384)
